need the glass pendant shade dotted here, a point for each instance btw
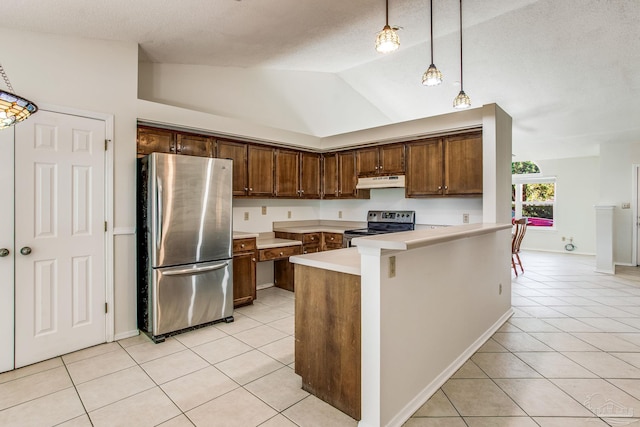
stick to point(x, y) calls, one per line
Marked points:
point(387, 40)
point(432, 77)
point(462, 101)
point(14, 109)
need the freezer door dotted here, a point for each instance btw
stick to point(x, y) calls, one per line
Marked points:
point(190, 204)
point(191, 295)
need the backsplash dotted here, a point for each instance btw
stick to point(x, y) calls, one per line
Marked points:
point(442, 210)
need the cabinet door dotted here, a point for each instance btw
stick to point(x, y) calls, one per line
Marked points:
point(261, 171)
point(391, 159)
point(155, 141)
point(287, 173)
point(193, 145)
point(330, 176)
point(424, 168)
point(346, 175)
point(367, 161)
point(310, 175)
point(463, 164)
point(238, 153)
point(244, 278)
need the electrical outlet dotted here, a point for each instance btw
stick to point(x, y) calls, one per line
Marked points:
point(288, 214)
point(264, 210)
point(564, 238)
point(246, 216)
point(339, 214)
point(626, 206)
point(465, 218)
point(392, 266)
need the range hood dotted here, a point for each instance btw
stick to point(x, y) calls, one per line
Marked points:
point(392, 181)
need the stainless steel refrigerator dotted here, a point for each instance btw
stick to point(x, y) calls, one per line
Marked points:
point(184, 234)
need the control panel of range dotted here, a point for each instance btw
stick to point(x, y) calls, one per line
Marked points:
point(406, 217)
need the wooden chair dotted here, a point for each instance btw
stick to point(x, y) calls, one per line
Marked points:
point(520, 228)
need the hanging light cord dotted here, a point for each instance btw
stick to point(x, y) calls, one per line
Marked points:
point(461, 81)
point(387, 13)
point(431, 16)
point(6, 79)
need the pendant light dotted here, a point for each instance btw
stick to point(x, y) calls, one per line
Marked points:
point(462, 100)
point(433, 76)
point(13, 108)
point(387, 40)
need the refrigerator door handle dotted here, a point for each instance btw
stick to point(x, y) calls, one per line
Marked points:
point(196, 270)
point(159, 214)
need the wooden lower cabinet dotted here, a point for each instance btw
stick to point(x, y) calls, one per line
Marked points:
point(282, 268)
point(328, 336)
point(331, 241)
point(244, 271)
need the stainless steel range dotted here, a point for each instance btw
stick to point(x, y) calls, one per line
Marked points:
point(382, 222)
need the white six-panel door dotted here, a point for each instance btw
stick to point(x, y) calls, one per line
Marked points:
point(59, 235)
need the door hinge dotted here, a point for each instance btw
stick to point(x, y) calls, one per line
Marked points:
point(106, 144)
point(106, 307)
point(105, 226)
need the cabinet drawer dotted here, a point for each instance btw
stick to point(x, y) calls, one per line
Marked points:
point(311, 238)
point(310, 248)
point(279, 253)
point(332, 239)
point(244, 245)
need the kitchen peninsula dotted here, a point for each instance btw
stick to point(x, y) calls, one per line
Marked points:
point(395, 317)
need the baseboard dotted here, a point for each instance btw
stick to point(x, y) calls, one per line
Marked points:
point(401, 417)
point(128, 334)
point(557, 252)
point(264, 286)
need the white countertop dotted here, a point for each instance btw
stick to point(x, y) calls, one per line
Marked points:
point(414, 239)
point(272, 242)
point(244, 235)
point(348, 260)
point(345, 260)
point(312, 229)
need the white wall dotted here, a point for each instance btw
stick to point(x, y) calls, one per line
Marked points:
point(577, 191)
point(616, 188)
point(97, 76)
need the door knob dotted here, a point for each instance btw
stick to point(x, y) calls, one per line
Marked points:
point(4, 252)
point(25, 251)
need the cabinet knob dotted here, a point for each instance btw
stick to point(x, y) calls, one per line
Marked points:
point(242, 245)
point(253, 259)
point(446, 188)
point(304, 252)
point(313, 238)
point(302, 191)
point(245, 188)
point(439, 187)
point(332, 238)
point(281, 253)
point(250, 189)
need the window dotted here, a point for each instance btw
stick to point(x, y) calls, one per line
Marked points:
point(532, 195)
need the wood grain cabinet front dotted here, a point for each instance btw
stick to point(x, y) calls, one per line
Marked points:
point(152, 140)
point(194, 145)
point(382, 160)
point(244, 271)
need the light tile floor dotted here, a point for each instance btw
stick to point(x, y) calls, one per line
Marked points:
point(570, 357)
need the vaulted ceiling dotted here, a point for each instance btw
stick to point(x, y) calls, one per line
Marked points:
point(566, 71)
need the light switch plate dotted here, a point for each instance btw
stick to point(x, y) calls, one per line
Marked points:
point(246, 216)
point(264, 210)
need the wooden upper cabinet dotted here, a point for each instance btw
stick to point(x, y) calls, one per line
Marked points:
point(445, 166)
point(194, 145)
point(383, 160)
point(391, 159)
point(463, 164)
point(425, 173)
point(367, 161)
point(261, 165)
point(346, 174)
point(152, 140)
point(287, 173)
point(238, 153)
point(310, 175)
point(330, 176)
